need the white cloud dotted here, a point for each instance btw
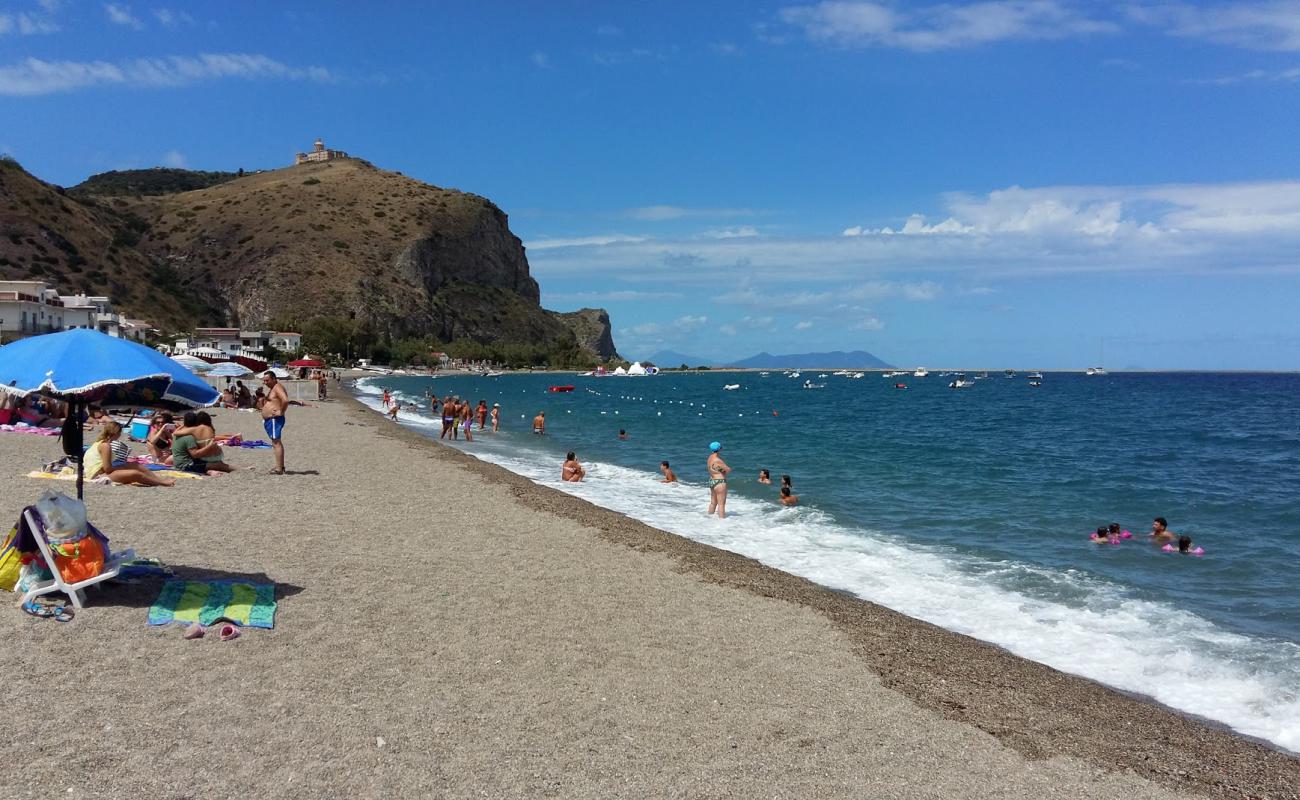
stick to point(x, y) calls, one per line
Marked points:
point(121, 15)
point(174, 158)
point(1241, 228)
point(803, 325)
point(944, 26)
point(26, 24)
point(683, 324)
point(741, 232)
point(540, 59)
point(172, 19)
point(663, 213)
point(33, 76)
point(1254, 76)
point(582, 241)
point(1269, 25)
point(622, 295)
point(869, 324)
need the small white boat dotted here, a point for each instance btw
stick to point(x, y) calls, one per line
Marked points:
point(764, 374)
point(921, 372)
point(843, 373)
point(1035, 376)
point(1035, 384)
point(793, 374)
point(823, 375)
point(586, 374)
point(499, 374)
point(961, 383)
point(810, 385)
point(858, 375)
point(1095, 371)
point(731, 387)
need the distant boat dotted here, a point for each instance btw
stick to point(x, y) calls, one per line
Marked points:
point(1095, 371)
point(921, 372)
point(981, 376)
point(561, 388)
point(1035, 376)
point(961, 382)
point(1010, 373)
point(731, 387)
point(900, 386)
point(858, 375)
point(586, 374)
point(1035, 384)
point(810, 385)
point(792, 374)
point(1101, 359)
point(499, 374)
point(764, 374)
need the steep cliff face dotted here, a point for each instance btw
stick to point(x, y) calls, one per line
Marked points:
point(484, 253)
point(340, 238)
point(592, 329)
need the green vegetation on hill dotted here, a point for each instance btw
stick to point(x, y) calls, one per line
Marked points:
point(156, 181)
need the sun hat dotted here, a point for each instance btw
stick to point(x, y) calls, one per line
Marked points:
point(715, 446)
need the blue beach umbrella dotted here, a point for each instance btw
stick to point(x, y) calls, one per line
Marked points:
point(84, 366)
point(228, 369)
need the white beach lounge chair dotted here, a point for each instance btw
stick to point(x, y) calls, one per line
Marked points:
point(74, 591)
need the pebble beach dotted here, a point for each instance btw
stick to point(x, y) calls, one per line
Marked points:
point(448, 629)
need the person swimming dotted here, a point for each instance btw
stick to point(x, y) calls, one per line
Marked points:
point(669, 475)
point(764, 476)
point(788, 499)
point(1115, 530)
point(785, 482)
point(1160, 530)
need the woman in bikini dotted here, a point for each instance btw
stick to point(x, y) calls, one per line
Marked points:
point(718, 470)
point(101, 459)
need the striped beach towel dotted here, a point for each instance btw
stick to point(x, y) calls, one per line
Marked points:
point(248, 604)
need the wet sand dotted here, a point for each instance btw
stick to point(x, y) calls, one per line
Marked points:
point(447, 628)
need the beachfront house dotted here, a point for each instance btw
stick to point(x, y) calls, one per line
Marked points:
point(224, 342)
point(287, 341)
point(29, 308)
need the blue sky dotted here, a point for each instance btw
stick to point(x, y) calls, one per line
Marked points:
point(1009, 182)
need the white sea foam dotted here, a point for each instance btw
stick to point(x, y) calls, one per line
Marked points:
point(1068, 620)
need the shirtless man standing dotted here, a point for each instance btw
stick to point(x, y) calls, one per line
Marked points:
point(273, 410)
point(539, 423)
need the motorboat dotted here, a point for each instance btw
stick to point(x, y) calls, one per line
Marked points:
point(858, 375)
point(921, 372)
point(900, 386)
point(1035, 384)
point(810, 385)
point(499, 374)
point(793, 374)
point(1035, 376)
point(960, 382)
point(764, 374)
point(561, 389)
point(731, 387)
point(1095, 371)
point(1010, 373)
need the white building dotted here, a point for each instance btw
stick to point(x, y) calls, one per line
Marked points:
point(287, 341)
point(28, 308)
point(226, 341)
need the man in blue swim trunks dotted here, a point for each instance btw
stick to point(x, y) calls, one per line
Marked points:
point(273, 410)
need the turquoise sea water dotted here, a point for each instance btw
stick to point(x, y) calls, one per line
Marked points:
point(971, 508)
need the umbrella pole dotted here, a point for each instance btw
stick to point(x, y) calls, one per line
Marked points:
point(78, 408)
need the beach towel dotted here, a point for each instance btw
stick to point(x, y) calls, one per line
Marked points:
point(29, 429)
point(205, 602)
point(70, 474)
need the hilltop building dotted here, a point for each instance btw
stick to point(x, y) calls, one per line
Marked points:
point(30, 308)
point(318, 153)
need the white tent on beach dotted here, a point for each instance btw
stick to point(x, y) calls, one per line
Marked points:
point(620, 371)
point(636, 369)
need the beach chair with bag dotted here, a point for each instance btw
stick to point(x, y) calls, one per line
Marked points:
point(60, 551)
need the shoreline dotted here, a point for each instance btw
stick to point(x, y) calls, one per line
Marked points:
point(1032, 708)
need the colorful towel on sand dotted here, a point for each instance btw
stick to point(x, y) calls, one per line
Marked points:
point(70, 474)
point(29, 429)
point(205, 602)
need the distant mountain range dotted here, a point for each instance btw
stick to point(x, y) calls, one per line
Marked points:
point(837, 359)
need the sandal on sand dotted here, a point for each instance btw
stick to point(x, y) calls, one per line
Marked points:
point(64, 614)
point(229, 632)
point(38, 610)
point(194, 631)
point(276, 472)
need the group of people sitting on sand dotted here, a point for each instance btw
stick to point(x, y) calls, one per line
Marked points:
point(236, 395)
point(1160, 534)
point(191, 446)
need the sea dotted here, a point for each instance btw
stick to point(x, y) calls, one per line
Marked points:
point(969, 508)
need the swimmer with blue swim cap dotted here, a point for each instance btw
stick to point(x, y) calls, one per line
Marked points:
point(718, 470)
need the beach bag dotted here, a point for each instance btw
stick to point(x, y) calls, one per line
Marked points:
point(79, 553)
point(11, 562)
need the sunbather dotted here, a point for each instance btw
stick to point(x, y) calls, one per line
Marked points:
point(101, 460)
point(159, 438)
point(194, 445)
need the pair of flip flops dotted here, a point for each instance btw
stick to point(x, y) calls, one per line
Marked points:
point(196, 631)
point(57, 613)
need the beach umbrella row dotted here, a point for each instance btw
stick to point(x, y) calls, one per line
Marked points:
point(228, 369)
